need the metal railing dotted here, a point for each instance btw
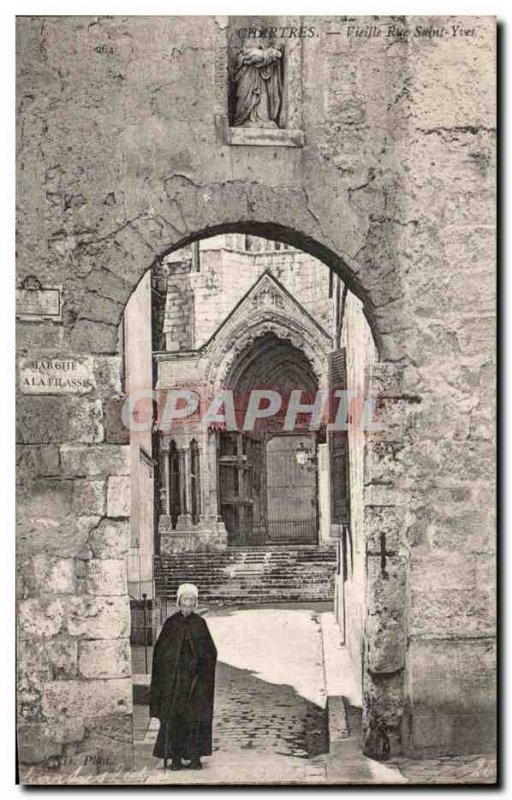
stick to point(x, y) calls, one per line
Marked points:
point(292, 531)
point(147, 611)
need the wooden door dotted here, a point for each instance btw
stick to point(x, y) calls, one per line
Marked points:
point(235, 486)
point(291, 489)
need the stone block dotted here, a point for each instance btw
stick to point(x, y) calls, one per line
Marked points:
point(36, 743)
point(96, 460)
point(104, 659)
point(32, 670)
point(106, 577)
point(107, 745)
point(42, 419)
point(459, 526)
point(387, 522)
point(94, 337)
point(98, 617)
point(67, 730)
point(451, 463)
point(40, 660)
point(115, 430)
point(110, 539)
point(212, 538)
point(108, 286)
point(107, 372)
point(28, 701)
point(387, 379)
point(62, 655)
point(37, 461)
point(45, 497)
point(89, 497)
point(387, 613)
point(445, 420)
point(40, 617)
point(383, 714)
point(119, 496)
point(53, 419)
point(385, 464)
point(448, 599)
point(64, 537)
point(397, 416)
point(49, 575)
point(385, 495)
point(456, 674)
point(84, 700)
point(452, 695)
point(483, 414)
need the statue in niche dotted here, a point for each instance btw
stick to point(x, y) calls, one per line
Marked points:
point(259, 87)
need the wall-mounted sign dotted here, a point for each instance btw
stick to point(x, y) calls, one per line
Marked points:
point(56, 375)
point(35, 302)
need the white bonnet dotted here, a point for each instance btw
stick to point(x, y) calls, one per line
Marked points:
point(186, 588)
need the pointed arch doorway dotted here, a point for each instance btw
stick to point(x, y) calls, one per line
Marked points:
point(268, 481)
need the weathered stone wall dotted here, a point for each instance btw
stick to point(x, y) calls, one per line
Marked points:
point(123, 154)
point(73, 654)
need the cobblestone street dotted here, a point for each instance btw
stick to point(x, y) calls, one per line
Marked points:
point(270, 722)
point(271, 694)
point(269, 700)
point(276, 669)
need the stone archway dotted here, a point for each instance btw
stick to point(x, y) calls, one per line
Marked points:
point(383, 707)
point(98, 280)
point(100, 275)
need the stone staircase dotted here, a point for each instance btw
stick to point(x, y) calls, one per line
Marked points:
point(246, 575)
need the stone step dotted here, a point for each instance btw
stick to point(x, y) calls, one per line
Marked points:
point(258, 552)
point(219, 565)
point(181, 577)
point(268, 580)
point(270, 550)
point(251, 574)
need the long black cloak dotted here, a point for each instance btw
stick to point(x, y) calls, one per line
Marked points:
point(183, 686)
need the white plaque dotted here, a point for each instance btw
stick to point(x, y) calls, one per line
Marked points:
point(56, 375)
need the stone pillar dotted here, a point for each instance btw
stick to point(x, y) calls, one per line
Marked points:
point(188, 498)
point(167, 487)
point(185, 520)
point(183, 491)
point(213, 477)
point(387, 566)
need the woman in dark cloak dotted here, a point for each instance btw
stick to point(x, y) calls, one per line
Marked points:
point(183, 684)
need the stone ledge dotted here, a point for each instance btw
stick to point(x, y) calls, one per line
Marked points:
point(210, 539)
point(262, 137)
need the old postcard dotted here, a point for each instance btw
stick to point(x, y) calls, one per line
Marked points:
point(256, 400)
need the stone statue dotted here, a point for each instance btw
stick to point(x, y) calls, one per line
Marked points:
point(259, 87)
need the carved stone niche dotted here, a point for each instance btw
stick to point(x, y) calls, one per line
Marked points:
point(264, 91)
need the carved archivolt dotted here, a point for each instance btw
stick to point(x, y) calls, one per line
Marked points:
point(267, 309)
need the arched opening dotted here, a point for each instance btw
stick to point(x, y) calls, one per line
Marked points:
point(235, 487)
point(258, 463)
